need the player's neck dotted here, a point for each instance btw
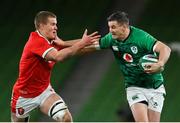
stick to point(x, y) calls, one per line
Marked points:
point(42, 35)
point(127, 33)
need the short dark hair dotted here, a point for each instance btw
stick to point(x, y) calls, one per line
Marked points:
point(42, 17)
point(119, 16)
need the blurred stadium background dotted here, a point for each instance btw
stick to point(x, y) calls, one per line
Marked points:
point(91, 85)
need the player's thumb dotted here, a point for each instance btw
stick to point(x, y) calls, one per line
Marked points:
point(85, 32)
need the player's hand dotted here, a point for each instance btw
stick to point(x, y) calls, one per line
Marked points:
point(90, 39)
point(57, 41)
point(154, 68)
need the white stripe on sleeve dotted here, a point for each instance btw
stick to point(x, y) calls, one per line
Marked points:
point(44, 54)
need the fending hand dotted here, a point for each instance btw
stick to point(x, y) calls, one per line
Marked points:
point(91, 38)
point(57, 41)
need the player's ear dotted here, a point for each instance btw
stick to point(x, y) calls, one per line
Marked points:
point(41, 25)
point(124, 25)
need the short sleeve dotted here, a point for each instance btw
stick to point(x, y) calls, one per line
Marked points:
point(148, 41)
point(105, 42)
point(41, 47)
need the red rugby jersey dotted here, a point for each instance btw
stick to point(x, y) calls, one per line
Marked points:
point(34, 71)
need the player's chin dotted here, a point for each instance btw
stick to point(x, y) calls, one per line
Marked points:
point(114, 37)
point(53, 37)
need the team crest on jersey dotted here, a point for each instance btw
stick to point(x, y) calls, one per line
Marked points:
point(115, 48)
point(135, 97)
point(128, 57)
point(134, 49)
point(20, 111)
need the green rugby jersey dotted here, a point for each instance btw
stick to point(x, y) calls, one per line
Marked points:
point(128, 52)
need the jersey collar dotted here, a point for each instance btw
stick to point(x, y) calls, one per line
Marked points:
point(42, 36)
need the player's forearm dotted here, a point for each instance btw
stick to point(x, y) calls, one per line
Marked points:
point(164, 54)
point(70, 51)
point(88, 49)
point(78, 45)
point(63, 44)
point(71, 42)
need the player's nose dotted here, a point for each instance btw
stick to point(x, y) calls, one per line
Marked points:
point(55, 27)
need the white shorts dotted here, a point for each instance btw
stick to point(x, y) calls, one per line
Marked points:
point(25, 105)
point(153, 97)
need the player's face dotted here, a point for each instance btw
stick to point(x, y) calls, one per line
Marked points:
point(118, 30)
point(49, 29)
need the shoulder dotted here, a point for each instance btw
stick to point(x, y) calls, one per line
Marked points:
point(106, 41)
point(106, 38)
point(140, 33)
point(108, 35)
point(137, 30)
point(35, 38)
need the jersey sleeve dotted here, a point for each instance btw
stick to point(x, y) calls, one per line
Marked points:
point(105, 42)
point(41, 47)
point(148, 41)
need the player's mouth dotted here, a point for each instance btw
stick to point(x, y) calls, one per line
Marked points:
point(113, 34)
point(55, 33)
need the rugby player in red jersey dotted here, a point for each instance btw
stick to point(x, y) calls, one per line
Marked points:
point(32, 88)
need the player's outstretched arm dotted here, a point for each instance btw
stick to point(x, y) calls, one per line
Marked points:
point(91, 48)
point(72, 42)
point(54, 55)
point(63, 44)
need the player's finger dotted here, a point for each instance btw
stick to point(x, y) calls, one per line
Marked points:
point(94, 37)
point(147, 66)
point(85, 32)
point(94, 40)
point(53, 41)
point(94, 33)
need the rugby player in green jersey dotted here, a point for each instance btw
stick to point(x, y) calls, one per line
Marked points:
point(145, 89)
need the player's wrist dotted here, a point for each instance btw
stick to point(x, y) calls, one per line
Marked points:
point(161, 64)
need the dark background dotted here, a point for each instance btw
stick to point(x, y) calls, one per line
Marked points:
point(91, 85)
